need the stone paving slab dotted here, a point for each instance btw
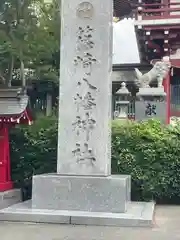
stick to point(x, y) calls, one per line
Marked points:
point(138, 214)
point(166, 228)
point(10, 197)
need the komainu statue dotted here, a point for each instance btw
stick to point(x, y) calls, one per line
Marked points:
point(158, 72)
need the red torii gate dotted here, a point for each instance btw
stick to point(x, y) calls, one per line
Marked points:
point(13, 110)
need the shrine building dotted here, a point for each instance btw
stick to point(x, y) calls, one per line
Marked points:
point(151, 33)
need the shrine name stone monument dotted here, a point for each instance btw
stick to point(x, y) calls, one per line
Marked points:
point(83, 181)
point(83, 190)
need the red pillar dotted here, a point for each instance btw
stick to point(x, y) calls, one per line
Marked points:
point(166, 84)
point(167, 3)
point(5, 171)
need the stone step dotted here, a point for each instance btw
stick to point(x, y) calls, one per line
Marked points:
point(138, 215)
point(10, 197)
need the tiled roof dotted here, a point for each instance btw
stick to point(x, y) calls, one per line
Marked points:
point(122, 8)
point(13, 102)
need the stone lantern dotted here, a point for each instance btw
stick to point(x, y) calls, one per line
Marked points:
point(122, 102)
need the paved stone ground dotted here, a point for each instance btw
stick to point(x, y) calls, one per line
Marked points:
point(167, 228)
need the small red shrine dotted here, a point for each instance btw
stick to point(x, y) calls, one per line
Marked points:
point(13, 110)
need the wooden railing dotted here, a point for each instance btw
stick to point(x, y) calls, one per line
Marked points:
point(158, 11)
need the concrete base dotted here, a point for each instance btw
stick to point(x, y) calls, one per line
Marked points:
point(81, 193)
point(10, 197)
point(137, 215)
point(81, 200)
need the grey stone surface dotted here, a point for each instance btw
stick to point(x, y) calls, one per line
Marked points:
point(158, 73)
point(152, 106)
point(23, 212)
point(10, 197)
point(82, 193)
point(128, 188)
point(158, 91)
point(138, 214)
point(85, 88)
point(166, 227)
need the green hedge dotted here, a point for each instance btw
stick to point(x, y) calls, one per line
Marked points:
point(148, 151)
point(33, 149)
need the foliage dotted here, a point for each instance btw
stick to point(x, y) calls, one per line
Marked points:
point(148, 151)
point(34, 149)
point(28, 40)
point(46, 44)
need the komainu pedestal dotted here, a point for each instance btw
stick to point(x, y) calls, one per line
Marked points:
point(151, 104)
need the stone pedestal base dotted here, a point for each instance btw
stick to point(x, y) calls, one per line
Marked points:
point(137, 215)
point(80, 193)
point(9, 198)
point(81, 200)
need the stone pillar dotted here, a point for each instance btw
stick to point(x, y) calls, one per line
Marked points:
point(49, 104)
point(85, 88)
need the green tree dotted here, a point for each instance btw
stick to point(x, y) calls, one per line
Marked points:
point(46, 62)
point(29, 39)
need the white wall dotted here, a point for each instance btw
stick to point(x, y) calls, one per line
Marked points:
point(125, 48)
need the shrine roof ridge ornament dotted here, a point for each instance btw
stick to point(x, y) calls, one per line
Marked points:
point(122, 8)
